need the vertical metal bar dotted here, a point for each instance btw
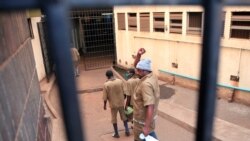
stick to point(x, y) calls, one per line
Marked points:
point(209, 68)
point(58, 28)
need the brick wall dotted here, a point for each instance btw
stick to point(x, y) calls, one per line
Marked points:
point(21, 109)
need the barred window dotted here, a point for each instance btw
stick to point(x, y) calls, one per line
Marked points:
point(144, 22)
point(176, 22)
point(132, 22)
point(194, 23)
point(121, 21)
point(240, 25)
point(158, 22)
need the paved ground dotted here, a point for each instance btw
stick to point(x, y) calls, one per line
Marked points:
point(93, 79)
point(175, 123)
point(232, 112)
point(98, 127)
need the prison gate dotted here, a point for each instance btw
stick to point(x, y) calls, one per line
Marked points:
point(93, 35)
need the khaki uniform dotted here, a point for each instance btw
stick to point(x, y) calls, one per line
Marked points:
point(131, 85)
point(147, 92)
point(113, 92)
point(75, 54)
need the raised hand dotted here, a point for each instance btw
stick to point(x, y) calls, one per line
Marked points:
point(141, 51)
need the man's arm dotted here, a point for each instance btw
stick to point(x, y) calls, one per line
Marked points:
point(105, 97)
point(140, 52)
point(124, 89)
point(104, 106)
point(128, 102)
point(148, 119)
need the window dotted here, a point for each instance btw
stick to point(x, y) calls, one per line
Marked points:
point(240, 25)
point(121, 21)
point(158, 21)
point(132, 25)
point(194, 23)
point(30, 28)
point(223, 23)
point(176, 22)
point(144, 22)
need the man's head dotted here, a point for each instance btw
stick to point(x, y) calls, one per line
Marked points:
point(109, 74)
point(143, 67)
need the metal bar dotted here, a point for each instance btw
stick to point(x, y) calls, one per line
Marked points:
point(58, 29)
point(209, 68)
point(18, 4)
point(237, 2)
point(108, 3)
point(24, 4)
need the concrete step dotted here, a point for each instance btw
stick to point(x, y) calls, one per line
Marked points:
point(186, 118)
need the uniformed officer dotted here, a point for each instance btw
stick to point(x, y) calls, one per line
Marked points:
point(113, 92)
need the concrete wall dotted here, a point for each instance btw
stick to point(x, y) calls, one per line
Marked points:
point(37, 50)
point(20, 103)
point(166, 48)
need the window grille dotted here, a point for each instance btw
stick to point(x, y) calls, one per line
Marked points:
point(194, 23)
point(132, 22)
point(144, 22)
point(121, 21)
point(176, 22)
point(158, 21)
point(240, 25)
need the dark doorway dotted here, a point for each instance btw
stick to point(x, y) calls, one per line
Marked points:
point(93, 35)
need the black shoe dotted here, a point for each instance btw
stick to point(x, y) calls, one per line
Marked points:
point(116, 135)
point(127, 133)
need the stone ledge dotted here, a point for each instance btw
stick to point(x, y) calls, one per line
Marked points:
point(46, 88)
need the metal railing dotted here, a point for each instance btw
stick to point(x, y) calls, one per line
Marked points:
point(57, 13)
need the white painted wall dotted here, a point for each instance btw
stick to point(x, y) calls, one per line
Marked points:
point(36, 45)
point(165, 48)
